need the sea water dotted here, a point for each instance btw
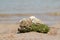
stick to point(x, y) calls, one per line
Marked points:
point(30, 6)
point(49, 20)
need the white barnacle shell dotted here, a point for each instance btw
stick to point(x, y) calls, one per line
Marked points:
point(35, 20)
point(32, 17)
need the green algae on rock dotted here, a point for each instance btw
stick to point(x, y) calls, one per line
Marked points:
point(32, 24)
point(41, 28)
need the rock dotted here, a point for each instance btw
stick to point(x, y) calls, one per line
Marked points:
point(36, 20)
point(24, 23)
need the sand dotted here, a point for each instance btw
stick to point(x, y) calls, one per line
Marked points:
point(8, 28)
point(9, 32)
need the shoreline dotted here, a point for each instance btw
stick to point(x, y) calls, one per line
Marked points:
point(3, 15)
point(28, 14)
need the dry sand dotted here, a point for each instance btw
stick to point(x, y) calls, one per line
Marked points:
point(9, 32)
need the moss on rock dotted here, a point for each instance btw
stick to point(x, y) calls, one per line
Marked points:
point(40, 28)
point(37, 28)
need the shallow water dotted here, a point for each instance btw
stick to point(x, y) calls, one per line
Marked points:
point(49, 20)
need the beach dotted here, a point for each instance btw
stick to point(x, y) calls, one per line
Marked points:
point(9, 32)
point(9, 27)
point(12, 11)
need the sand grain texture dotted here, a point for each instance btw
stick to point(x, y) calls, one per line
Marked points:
point(9, 32)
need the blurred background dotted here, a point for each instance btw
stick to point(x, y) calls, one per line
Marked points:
point(29, 6)
point(11, 11)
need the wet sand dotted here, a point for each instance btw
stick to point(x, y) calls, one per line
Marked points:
point(53, 14)
point(19, 14)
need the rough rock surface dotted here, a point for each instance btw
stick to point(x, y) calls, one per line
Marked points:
point(27, 22)
point(24, 23)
